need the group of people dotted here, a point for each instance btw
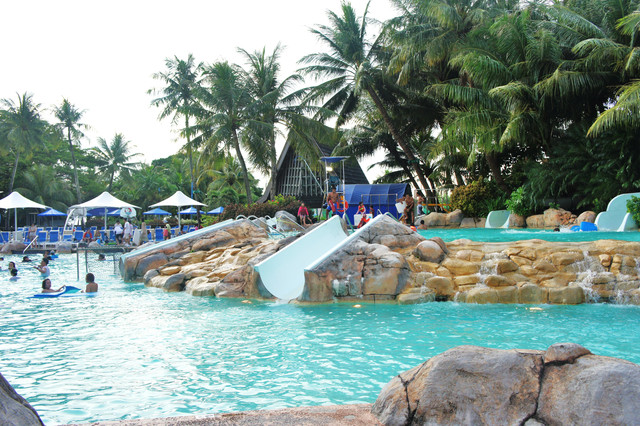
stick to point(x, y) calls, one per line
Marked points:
point(45, 272)
point(335, 203)
point(123, 234)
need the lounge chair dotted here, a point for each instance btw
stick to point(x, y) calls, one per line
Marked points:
point(158, 234)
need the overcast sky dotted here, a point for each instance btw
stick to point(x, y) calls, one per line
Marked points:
point(101, 55)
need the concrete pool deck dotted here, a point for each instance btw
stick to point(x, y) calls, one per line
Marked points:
point(356, 414)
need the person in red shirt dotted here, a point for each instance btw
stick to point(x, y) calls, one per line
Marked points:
point(303, 215)
point(363, 211)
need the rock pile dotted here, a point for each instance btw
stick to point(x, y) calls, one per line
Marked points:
point(566, 384)
point(14, 409)
point(531, 271)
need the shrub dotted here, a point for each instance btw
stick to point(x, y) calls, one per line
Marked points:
point(517, 203)
point(472, 198)
point(633, 207)
point(281, 202)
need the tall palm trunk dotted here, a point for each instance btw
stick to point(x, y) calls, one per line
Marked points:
point(189, 151)
point(274, 168)
point(13, 172)
point(75, 169)
point(492, 161)
point(245, 172)
point(399, 139)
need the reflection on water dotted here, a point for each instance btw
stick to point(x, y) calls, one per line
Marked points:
point(134, 352)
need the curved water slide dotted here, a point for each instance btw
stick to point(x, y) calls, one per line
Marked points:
point(616, 218)
point(498, 219)
point(283, 272)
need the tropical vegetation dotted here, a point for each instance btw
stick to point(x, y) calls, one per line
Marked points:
point(523, 104)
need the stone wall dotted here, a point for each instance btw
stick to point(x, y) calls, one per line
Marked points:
point(566, 384)
point(531, 271)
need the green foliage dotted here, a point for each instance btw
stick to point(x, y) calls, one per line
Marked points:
point(472, 198)
point(517, 203)
point(633, 207)
point(286, 203)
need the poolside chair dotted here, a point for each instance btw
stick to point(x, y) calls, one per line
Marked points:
point(42, 237)
point(191, 229)
point(77, 235)
point(158, 234)
point(185, 229)
point(67, 237)
point(53, 237)
point(4, 237)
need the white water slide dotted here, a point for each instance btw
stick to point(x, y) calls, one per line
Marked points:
point(283, 272)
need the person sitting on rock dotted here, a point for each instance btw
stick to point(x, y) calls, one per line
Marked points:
point(46, 287)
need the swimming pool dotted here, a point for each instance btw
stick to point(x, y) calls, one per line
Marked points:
point(504, 235)
point(136, 352)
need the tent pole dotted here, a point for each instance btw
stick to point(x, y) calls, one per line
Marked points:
point(105, 219)
point(15, 224)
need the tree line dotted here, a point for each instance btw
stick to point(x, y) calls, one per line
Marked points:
point(533, 95)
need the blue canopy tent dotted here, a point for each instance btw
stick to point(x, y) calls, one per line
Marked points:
point(217, 210)
point(52, 213)
point(381, 197)
point(157, 212)
point(190, 210)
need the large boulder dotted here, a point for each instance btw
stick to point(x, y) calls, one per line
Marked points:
point(587, 216)
point(435, 220)
point(454, 218)
point(591, 389)
point(286, 221)
point(565, 385)
point(429, 251)
point(535, 221)
point(391, 233)
point(516, 221)
point(14, 409)
point(14, 247)
point(147, 263)
point(464, 385)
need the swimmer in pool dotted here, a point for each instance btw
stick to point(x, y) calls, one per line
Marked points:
point(46, 287)
point(92, 286)
point(44, 268)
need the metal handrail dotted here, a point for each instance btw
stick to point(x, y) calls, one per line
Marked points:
point(32, 241)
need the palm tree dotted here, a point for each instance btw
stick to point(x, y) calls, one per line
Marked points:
point(178, 97)
point(115, 158)
point(21, 128)
point(276, 107)
point(352, 69)
point(229, 104)
point(69, 117)
point(40, 184)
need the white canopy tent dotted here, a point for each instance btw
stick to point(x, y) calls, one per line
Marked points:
point(104, 200)
point(16, 201)
point(178, 200)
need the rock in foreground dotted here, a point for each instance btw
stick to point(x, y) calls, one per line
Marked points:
point(14, 409)
point(475, 385)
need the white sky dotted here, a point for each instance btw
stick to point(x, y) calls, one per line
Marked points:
point(101, 55)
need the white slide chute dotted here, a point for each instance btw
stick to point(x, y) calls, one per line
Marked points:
point(283, 272)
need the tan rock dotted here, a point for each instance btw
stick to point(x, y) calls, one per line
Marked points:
point(460, 267)
point(169, 270)
point(429, 251)
point(200, 286)
point(443, 272)
point(587, 216)
point(573, 295)
point(566, 258)
point(532, 294)
point(464, 288)
point(415, 298)
point(466, 279)
point(482, 295)
point(520, 261)
point(516, 221)
point(507, 294)
point(442, 286)
point(564, 352)
point(503, 266)
point(469, 222)
point(544, 265)
point(535, 221)
point(498, 281)
point(425, 267)
point(528, 271)
point(435, 220)
point(605, 260)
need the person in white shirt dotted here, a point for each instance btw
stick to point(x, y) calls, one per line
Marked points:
point(117, 229)
point(44, 268)
point(128, 231)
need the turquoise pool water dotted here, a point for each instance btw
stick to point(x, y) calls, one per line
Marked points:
point(134, 352)
point(503, 235)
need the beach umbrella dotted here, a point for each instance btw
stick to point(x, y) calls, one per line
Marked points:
point(104, 201)
point(16, 201)
point(51, 213)
point(190, 210)
point(217, 210)
point(157, 212)
point(178, 200)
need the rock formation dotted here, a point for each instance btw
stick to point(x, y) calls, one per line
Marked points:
point(14, 409)
point(474, 385)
